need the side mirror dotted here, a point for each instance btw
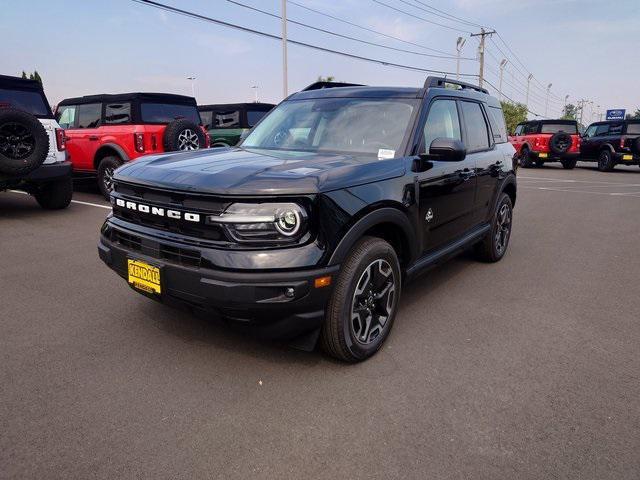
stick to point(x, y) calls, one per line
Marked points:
point(447, 150)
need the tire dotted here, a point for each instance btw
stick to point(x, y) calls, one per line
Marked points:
point(24, 143)
point(525, 159)
point(106, 167)
point(183, 135)
point(493, 248)
point(560, 142)
point(539, 163)
point(345, 335)
point(635, 146)
point(569, 163)
point(605, 161)
point(55, 195)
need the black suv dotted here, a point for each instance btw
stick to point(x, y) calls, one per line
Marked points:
point(312, 226)
point(612, 143)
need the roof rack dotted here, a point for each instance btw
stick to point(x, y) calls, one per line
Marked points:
point(321, 85)
point(441, 82)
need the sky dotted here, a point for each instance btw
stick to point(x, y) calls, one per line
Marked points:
point(586, 49)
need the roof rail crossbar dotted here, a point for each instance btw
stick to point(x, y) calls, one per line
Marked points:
point(440, 82)
point(321, 85)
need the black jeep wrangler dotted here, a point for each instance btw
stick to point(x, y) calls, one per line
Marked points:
point(311, 227)
point(611, 143)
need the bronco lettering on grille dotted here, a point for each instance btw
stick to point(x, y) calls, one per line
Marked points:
point(159, 212)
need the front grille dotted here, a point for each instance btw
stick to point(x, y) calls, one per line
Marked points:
point(155, 249)
point(202, 205)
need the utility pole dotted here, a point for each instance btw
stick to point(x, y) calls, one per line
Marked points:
point(285, 87)
point(529, 78)
point(546, 103)
point(459, 44)
point(581, 107)
point(566, 99)
point(483, 33)
point(503, 64)
point(193, 88)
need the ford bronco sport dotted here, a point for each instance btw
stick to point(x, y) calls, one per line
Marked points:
point(104, 131)
point(227, 123)
point(32, 148)
point(312, 226)
point(543, 141)
point(612, 143)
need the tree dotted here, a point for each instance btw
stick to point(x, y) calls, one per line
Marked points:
point(24, 75)
point(570, 112)
point(636, 114)
point(32, 76)
point(514, 113)
point(329, 78)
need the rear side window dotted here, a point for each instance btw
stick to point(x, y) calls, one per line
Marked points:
point(254, 116)
point(67, 116)
point(602, 130)
point(615, 129)
point(530, 129)
point(227, 119)
point(89, 115)
point(206, 119)
point(633, 128)
point(559, 127)
point(29, 101)
point(167, 112)
point(476, 127)
point(519, 129)
point(442, 122)
point(496, 119)
point(117, 113)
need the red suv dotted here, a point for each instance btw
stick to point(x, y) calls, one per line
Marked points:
point(104, 131)
point(541, 141)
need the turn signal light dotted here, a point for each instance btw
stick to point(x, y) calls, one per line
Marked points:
point(60, 140)
point(322, 282)
point(138, 139)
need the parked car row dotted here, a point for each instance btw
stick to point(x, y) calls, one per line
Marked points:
point(609, 143)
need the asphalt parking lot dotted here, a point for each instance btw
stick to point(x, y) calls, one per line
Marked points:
point(528, 368)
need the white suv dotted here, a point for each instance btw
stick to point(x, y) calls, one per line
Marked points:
point(32, 148)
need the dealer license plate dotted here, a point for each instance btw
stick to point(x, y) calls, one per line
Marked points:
point(143, 276)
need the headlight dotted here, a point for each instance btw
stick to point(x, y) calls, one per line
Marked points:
point(263, 222)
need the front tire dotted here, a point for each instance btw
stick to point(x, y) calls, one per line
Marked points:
point(55, 195)
point(569, 164)
point(525, 159)
point(495, 244)
point(605, 161)
point(106, 167)
point(364, 302)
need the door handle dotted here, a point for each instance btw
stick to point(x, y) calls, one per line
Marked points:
point(465, 174)
point(94, 138)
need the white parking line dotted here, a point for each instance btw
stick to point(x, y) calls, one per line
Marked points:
point(614, 194)
point(108, 207)
point(520, 177)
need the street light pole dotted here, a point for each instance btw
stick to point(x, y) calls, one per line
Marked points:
point(285, 87)
point(255, 91)
point(528, 87)
point(503, 64)
point(193, 88)
point(459, 44)
point(546, 103)
point(566, 99)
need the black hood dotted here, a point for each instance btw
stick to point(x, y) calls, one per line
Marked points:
point(236, 171)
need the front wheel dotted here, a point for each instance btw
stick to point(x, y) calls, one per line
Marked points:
point(605, 161)
point(569, 163)
point(495, 244)
point(364, 302)
point(107, 166)
point(525, 159)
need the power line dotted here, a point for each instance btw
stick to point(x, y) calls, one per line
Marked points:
point(513, 101)
point(242, 28)
point(442, 14)
point(366, 28)
point(328, 32)
point(421, 18)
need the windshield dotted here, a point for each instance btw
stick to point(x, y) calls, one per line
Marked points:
point(559, 127)
point(168, 112)
point(29, 101)
point(340, 125)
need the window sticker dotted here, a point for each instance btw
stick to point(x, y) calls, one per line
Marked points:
point(384, 153)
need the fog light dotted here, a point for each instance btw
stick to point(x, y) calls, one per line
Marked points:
point(289, 292)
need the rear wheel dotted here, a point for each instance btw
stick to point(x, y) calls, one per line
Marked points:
point(106, 167)
point(364, 302)
point(495, 244)
point(569, 163)
point(525, 159)
point(539, 163)
point(605, 161)
point(55, 195)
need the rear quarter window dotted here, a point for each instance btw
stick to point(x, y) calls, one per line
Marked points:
point(498, 126)
point(29, 101)
point(633, 128)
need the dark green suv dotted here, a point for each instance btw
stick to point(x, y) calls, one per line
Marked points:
point(226, 123)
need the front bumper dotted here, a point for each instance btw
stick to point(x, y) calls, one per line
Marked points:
point(251, 300)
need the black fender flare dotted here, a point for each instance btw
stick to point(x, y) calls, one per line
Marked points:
point(110, 146)
point(377, 217)
point(509, 180)
point(607, 146)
